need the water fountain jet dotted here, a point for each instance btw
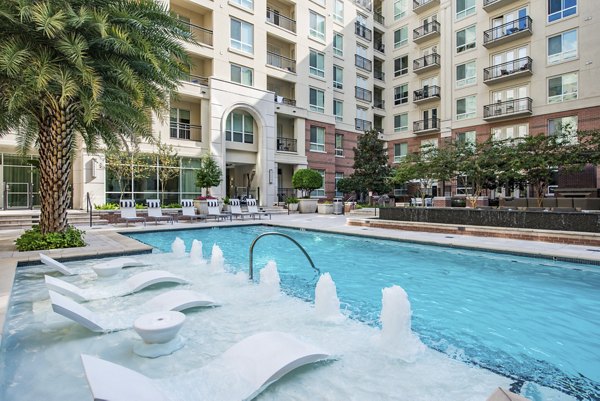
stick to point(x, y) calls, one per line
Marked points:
point(217, 261)
point(178, 247)
point(269, 280)
point(327, 303)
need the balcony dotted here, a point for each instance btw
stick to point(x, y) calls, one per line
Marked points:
point(426, 31)
point(420, 6)
point(275, 18)
point(363, 63)
point(285, 100)
point(185, 131)
point(507, 32)
point(491, 5)
point(506, 71)
point(426, 126)
point(362, 31)
point(364, 4)
point(427, 94)
point(195, 79)
point(378, 74)
point(362, 125)
point(363, 94)
point(510, 109)
point(287, 145)
point(426, 63)
point(278, 61)
point(379, 104)
point(379, 46)
point(202, 35)
point(379, 18)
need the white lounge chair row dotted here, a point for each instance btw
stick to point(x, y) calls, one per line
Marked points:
point(129, 212)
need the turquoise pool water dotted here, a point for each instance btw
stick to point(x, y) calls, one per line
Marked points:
point(532, 320)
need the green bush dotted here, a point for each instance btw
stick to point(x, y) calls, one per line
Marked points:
point(107, 206)
point(34, 240)
point(139, 206)
point(172, 206)
point(291, 199)
point(307, 180)
point(458, 202)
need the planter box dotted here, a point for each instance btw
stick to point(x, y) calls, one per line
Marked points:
point(292, 207)
point(201, 206)
point(307, 205)
point(324, 208)
point(442, 201)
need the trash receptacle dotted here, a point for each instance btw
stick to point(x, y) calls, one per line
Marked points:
point(338, 206)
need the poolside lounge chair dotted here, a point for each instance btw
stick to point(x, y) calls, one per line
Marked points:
point(252, 208)
point(236, 210)
point(175, 300)
point(128, 212)
point(135, 283)
point(504, 395)
point(110, 267)
point(215, 212)
point(240, 373)
point(155, 212)
point(48, 261)
point(188, 211)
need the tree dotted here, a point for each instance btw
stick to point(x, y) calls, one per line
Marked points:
point(88, 69)
point(371, 167)
point(416, 168)
point(126, 165)
point(168, 165)
point(209, 174)
point(307, 180)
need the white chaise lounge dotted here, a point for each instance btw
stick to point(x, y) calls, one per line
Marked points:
point(236, 210)
point(155, 212)
point(240, 373)
point(253, 208)
point(110, 267)
point(135, 283)
point(214, 210)
point(188, 211)
point(175, 300)
point(48, 261)
point(129, 213)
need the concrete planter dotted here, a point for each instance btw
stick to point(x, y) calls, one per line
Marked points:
point(292, 207)
point(307, 205)
point(201, 206)
point(325, 208)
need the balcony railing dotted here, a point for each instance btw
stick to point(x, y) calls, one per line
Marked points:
point(186, 131)
point(362, 31)
point(508, 31)
point(379, 46)
point(422, 5)
point(285, 100)
point(491, 5)
point(284, 193)
point(379, 104)
point(196, 79)
point(287, 145)
point(280, 20)
point(363, 63)
point(362, 125)
point(366, 4)
point(426, 62)
point(280, 61)
point(202, 35)
point(378, 17)
point(363, 94)
point(510, 108)
point(426, 30)
point(509, 69)
point(426, 93)
point(378, 74)
point(431, 124)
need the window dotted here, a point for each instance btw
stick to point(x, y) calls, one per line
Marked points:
point(562, 47)
point(558, 9)
point(468, 137)
point(244, 3)
point(400, 151)
point(400, 37)
point(239, 127)
point(401, 94)
point(564, 126)
point(338, 110)
point(466, 74)
point(400, 9)
point(338, 11)
point(338, 77)
point(465, 39)
point(319, 193)
point(466, 107)
point(464, 8)
point(401, 66)
point(241, 75)
point(338, 44)
point(317, 26)
point(180, 123)
point(338, 176)
point(401, 122)
point(317, 139)
point(242, 36)
point(317, 100)
point(510, 132)
point(562, 88)
point(339, 145)
point(317, 63)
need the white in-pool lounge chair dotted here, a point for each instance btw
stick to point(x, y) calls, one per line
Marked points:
point(135, 283)
point(175, 300)
point(236, 210)
point(188, 211)
point(252, 208)
point(155, 212)
point(48, 261)
point(214, 210)
point(504, 395)
point(128, 212)
point(240, 373)
point(113, 266)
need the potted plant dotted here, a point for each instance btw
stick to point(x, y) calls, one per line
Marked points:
point(325, 207)
point(307, 180)
point(292, 203)
point(201, 204)
point(226, 207)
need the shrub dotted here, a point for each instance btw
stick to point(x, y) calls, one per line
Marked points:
point(34, 240)
point(291, 199)
point(307, 180)
point(458, 202)
point(107, 206)
point(172, 206)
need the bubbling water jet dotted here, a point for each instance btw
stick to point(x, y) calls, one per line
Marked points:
point(327, 303)
point(217, 262)
point(269, 280)
point(178, 247)
point(196, 252)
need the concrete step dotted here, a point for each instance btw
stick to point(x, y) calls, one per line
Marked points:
point(13, 220)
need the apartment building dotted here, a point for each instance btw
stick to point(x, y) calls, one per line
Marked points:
point(279, 85)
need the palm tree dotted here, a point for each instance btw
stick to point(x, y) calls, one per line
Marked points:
point(83, 70)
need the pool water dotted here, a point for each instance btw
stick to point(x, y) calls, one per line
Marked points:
point(529, 319)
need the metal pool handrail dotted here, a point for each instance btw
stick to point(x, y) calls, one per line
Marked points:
point(251, 272)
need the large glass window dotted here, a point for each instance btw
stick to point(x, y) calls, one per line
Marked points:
point(244, 3)
point(465, 39)
point(466, 74)
point(320, 192)
point(338, 44)
point(562, 47)
point(464, 8)
point(241, 75)
point(242, 36)
point(180, 123)
point(317, 139)
point(468, 137)
point(338, 176)
point(558, 9)
point(317, 63)
point(401, 122)
point(401, 94)
point(239, 127)
point(466, 107)
point(566, 126)
point(338, 11)
point(510, 131)
point(562, 88)
point(400, 151)
point(401, 65)
point(317, 100)
point(339, 145)
point(401, 37)
point(338, 77)
point(400, 9)
point(317, 26)
point(338, 110)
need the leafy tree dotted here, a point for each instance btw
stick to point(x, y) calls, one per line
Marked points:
point(307, 180)
point(168, 165)
point(89, 69)
point(348, 185)
point(125, 165)
point(371, 167)
point(209, 174)
point(417, 168)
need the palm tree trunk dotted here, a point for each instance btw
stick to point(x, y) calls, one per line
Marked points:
point(55, 143)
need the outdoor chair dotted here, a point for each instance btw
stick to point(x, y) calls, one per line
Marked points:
point(188, 211)
point(155, 212)
point(236, 210)
point(214, 211)
point(252, 208)
point(128, 212)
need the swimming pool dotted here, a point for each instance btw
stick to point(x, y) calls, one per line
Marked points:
point(532, 320)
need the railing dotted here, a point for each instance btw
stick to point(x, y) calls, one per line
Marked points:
point(285, 100)
point(196, 79)
point(88, 206)
point(426, 29)
point(378, 17)
point(379, 46)
point(363, 94)
point(185, 131)
point(507, 108)
point(286, 144)
point(426, 93)
point(362, 125)
point(379, 104)
point(420, 3)
point(510, 28)
point(508, 68)
point(279, 61)
point(366, 4)
point(363, 63)
point(424, 125)
point(284, 193)
point(280, 20)
point(425, 61)
point(378, 74)
point(362, 31)
point(201, 35)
